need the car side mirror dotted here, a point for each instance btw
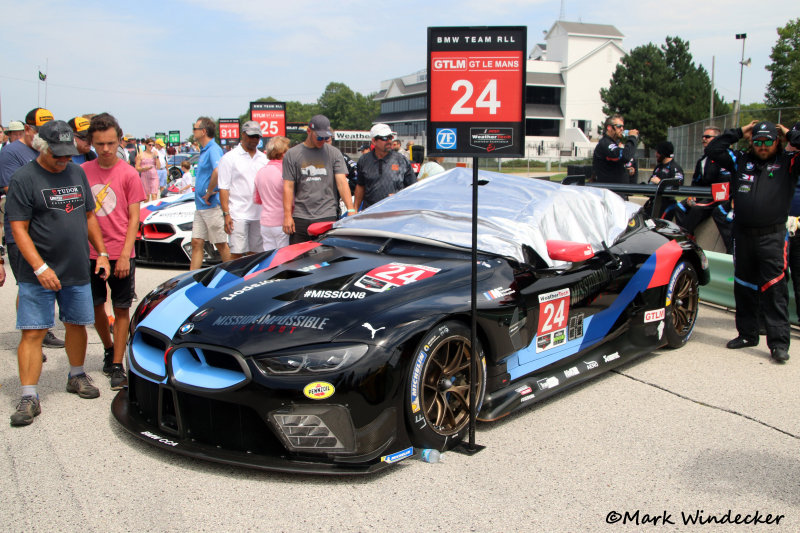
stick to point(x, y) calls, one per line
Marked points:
point(318, 228)
point(573, 252)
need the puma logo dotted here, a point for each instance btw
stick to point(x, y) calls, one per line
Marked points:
point(372, 330)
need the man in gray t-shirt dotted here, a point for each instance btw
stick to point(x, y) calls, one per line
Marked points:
point(314, 178)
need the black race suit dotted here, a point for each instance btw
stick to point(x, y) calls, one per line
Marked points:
point(706, 173)
point(610, 159)
point(761, 192)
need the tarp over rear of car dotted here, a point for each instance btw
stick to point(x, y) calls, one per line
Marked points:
point(513, 212)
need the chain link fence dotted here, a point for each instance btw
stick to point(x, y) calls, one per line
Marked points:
point(687, 138)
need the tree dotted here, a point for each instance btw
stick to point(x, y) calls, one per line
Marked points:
point(346, 109)
point(784, 87)
point(657, 87)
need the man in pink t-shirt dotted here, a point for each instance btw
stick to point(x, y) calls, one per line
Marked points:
point(117, 191)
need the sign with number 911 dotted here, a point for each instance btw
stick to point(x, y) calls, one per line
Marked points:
point(476, 88)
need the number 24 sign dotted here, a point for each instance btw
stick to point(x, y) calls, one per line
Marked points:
point(476, 86)
point(553, 311)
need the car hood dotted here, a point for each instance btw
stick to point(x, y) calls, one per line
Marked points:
point(302, 294)
point(168, 209)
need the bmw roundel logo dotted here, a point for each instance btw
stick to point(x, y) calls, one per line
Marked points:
point(446, 138)
point(186, 328)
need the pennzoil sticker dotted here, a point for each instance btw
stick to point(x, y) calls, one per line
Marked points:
point(398, 456)
point(319, 390)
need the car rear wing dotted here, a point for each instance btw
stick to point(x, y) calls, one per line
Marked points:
point(669, 187)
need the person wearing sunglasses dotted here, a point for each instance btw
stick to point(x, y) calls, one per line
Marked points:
point(763, 182)
point(381, 172)
point(614, 150)
point(314, 179)
point(692, 212)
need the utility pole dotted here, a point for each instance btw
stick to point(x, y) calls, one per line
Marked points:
point(743, 38)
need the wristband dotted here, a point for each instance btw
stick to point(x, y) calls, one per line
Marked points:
point(351, 210)
point(102, 254)
point(39, 271)
point(225, 213)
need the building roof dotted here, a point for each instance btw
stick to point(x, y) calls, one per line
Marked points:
point(544, 79)
point(593, 30)
point(405, 116)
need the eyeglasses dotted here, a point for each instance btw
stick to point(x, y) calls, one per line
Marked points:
point(195, 128)
point(384, 137)
point(708, 136)
point(619, 126)
point(767, 143)
point(323, 138)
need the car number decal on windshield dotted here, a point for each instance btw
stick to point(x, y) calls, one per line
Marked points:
point(394, 275)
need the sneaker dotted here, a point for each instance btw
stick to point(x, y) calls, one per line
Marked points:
point(108, 360)
point(82, 386)
point(741, 342)
point(51, 341)
point(28, 408)
point(779, 354)
point(119, 379)
point(44, 358)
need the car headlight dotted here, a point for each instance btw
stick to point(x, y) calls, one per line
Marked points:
point(312, 360)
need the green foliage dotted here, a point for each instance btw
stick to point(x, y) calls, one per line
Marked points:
point(346, 109)
point(784, 87)
point(657, 87)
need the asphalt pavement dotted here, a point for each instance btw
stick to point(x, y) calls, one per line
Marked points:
point(677, 435)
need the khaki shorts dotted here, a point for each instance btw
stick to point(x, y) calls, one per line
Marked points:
point(209, 225)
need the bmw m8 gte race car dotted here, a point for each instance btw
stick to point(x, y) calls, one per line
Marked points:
point(343, 354)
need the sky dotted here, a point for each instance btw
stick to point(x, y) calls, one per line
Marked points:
point(158, 65)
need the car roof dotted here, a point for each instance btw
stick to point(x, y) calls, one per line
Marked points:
point(513, 212)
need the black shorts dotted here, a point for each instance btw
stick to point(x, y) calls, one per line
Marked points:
point(122, 289)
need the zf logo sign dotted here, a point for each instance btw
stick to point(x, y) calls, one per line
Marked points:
point(445, 139)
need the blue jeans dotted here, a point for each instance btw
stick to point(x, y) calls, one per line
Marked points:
point(36, 306)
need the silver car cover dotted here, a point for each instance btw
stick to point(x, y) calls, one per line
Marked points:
point(512, 212)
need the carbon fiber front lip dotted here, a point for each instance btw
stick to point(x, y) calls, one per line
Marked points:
point(140, 429)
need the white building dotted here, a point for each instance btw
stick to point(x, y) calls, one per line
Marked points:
point(562, 97)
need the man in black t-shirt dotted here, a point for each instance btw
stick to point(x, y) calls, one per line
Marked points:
point(51, 211)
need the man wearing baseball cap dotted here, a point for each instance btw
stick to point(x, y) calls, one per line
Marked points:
point(314, 179)
point(763, 181)
point(15, 130)
point(51, 210)
point(13, 157)
point(80, 129)
point(382, 171)
point(237, 183)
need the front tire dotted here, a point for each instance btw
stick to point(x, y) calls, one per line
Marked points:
point(438, 400)
point(683, 300)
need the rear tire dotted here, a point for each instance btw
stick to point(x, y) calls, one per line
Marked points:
point(438, 401)
point(683, 299)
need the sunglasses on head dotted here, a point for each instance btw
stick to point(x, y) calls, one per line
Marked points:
point(767, 142)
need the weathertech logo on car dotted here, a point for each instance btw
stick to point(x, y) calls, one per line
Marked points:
point(337, 295)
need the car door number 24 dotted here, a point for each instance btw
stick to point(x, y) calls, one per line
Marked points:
point(553, 311)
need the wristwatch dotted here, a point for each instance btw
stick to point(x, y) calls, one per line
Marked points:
point(225, 213)
point(102, 254)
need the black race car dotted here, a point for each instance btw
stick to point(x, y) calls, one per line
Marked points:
point(343, 354)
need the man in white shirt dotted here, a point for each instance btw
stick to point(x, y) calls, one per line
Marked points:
point(237, 174)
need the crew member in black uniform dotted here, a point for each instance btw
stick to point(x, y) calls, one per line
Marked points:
point(667, 168)
point(690, 213)
point(762, 185)
point(612, 153)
